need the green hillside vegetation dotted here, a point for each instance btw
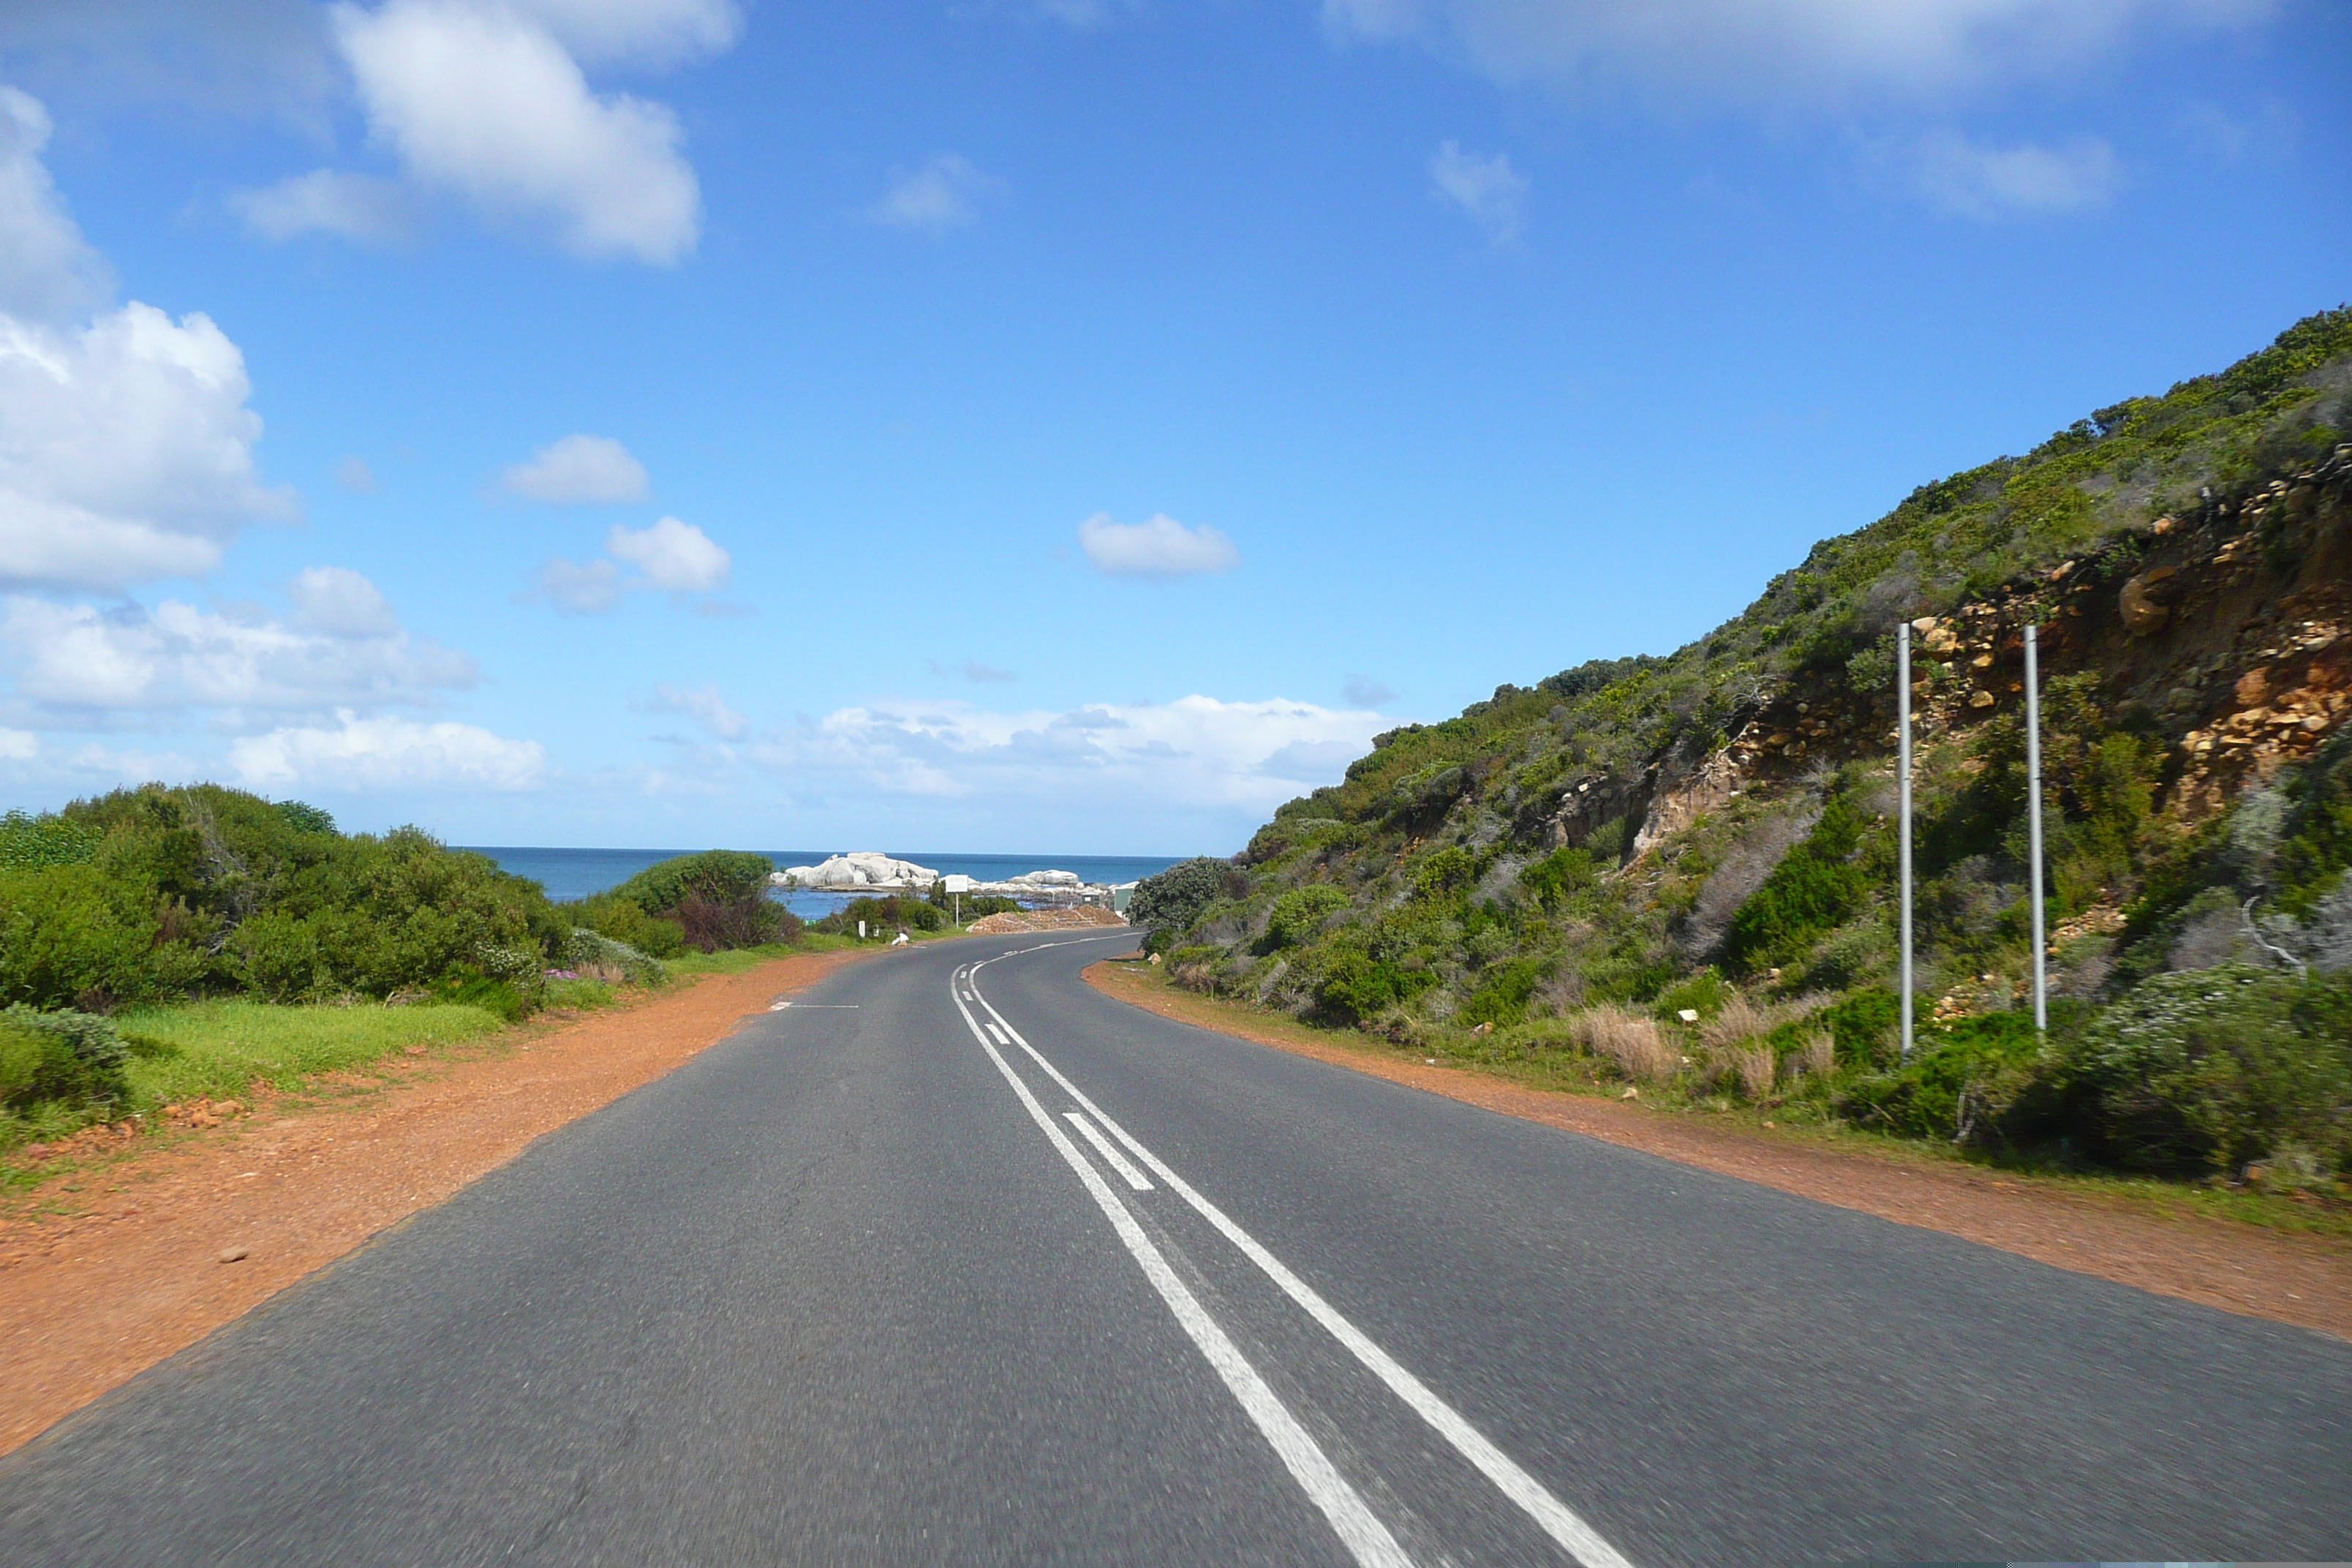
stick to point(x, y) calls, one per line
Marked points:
point(1678, 874)
point(137, 921)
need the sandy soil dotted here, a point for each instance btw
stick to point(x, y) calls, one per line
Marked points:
point(2303, 1280)
point(1070, 919)
point(170, 1242)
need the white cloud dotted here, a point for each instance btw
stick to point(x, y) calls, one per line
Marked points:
point(344, 647)
point(1364, 691)
point(485, 102)
point(1971, 180)
point(365, 208)
point(1808, 53)
point(340, 603)
point(675, 557)
point(944, 193)
point(581, 588)
point(579, 469)
point(647, 33)
point(46, 270)
point(1489, 190)
point(380, 754)
point(704, 706)
point(1157, 547)
point(670, 557)
point(19, 745)
point(1195, 754)
point(126, 450)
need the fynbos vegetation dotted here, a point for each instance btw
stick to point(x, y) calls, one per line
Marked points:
point(1678, 872)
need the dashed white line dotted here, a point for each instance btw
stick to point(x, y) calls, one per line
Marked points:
point(1574, 1536)
point(1108, 1150)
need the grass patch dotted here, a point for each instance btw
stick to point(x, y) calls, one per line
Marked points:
point(221, 1048)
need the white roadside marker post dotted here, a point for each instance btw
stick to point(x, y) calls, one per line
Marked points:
point(2033, 828)
point(1902, 788)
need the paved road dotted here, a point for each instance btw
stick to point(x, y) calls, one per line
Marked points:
point(858, 1287)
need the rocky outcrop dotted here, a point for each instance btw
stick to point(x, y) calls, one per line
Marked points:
point(859, 870)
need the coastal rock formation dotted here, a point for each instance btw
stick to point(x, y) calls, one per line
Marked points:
point(857, 871)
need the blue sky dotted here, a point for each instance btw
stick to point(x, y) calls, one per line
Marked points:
point(1040, 424)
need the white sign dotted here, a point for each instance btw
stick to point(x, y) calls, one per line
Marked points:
point(955, 882)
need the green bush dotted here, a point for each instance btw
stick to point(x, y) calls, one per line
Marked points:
point(34, 843)
point(1864, 1028)
point(2206, 1069)
point(86, 934)
point(1816, 887)
point(719, 876)
point(624, 921)
point(1560, 875)
point(1356, 985)
point(587, 948)
point(1298, 912)
point(1502, 994)
point(1961, 1084)
point(883, 917)
point(1172, 899)
point(72, 1061)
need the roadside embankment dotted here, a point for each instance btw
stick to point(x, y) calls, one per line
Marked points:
point(123, 1262)
point(2306, 1280)
point(1071, 919)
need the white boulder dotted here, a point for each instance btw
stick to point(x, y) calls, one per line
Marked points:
point(858, 869)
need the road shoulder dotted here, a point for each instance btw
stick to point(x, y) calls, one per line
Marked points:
point(144, 1268)
point(2302, 1280)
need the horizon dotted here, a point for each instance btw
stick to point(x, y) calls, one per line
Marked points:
point(1239, 383)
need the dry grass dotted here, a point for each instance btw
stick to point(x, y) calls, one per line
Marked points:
point(1752, 1065)
point(1740, 1020)
point(1635, 1043)
point(1817, 1057)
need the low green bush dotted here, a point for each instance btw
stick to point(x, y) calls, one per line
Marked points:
point(1962, 1084)
point(1502, 994)
point(1174, 898)
point(40, 1065)
point(622, 922)
point(1816, 886)
point(883, 917)
point(1356, 985)
point(1298, 912)
point(2209, 1069)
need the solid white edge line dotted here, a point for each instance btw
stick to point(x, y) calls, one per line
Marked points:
point(1108, 1150)
point(1560, 1523)
point(1366, 1537)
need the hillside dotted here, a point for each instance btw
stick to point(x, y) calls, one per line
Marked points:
point(1568, 867)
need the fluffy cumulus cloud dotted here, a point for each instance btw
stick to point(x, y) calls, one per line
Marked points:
point(1159, 546)
point(365, 208)
point(579, 469)
point(387, 754)
point(343, 646)
point(944, 193)
point(1973, 180)
point(1776, 52)
point(670, 557)
point(1491, 194)
point(1195, 754)
point(489, 101)
point(126, 447)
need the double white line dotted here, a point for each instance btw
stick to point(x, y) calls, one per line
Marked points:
point(1366, 1537)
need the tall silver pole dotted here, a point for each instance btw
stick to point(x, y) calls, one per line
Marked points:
point(1903, 784)
point(2033, 825)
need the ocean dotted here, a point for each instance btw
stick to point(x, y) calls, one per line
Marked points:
point(576, 873)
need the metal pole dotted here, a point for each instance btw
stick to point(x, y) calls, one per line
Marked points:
point(1903, 785)
point(2033, 827)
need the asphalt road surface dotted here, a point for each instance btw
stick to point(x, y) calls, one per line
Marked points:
point(956, 1261)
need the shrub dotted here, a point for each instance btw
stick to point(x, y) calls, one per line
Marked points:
point(1961, 1085)
point(1862, 1027)
point(82, 933)
point(722, 876)
point(70, 1059)
point(33, 843)
point(1298, 912)
point(883, 916)
point(1816, 887)
point(748, 920)
point(1502, 995)
point(1355, 985)
point(2208, 1069)
point(1175, 898)
point(625, 923)
point(600, 957)
point(1560, 875)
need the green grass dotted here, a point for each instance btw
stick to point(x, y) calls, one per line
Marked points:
point(221, 1048)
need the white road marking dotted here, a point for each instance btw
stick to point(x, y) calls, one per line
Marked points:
point(1108, 1150)
point(1000, 1034)
point(1366, 1537)
point(814, 1006)
point(1574, 1536)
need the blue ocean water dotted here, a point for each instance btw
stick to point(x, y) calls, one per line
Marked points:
point(577, 873)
